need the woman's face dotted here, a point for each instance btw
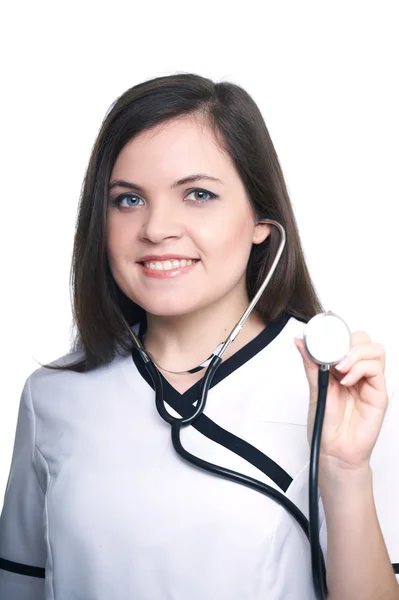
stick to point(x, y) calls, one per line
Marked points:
point(173, 212)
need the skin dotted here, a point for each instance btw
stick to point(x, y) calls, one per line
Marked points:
point(211, 297)
point(358, 564)
point(160, 220)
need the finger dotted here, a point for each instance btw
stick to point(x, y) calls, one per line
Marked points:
point(358, 352)
point(359, 337)
point(309, 363)
point(311, 368)
point(363, 368)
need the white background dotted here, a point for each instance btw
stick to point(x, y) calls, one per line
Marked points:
point(325, 76)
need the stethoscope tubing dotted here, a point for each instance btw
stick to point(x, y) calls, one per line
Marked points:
point(318, 568)
point(309, 527)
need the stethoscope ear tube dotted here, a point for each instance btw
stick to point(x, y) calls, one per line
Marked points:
point(310, 527)
point(205, 385)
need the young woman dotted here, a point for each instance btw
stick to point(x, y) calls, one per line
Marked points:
point(170, 243)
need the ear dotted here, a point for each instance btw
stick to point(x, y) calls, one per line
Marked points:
point(261, 232)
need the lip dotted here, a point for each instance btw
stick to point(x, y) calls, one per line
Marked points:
point(163, 257)
point(169, 274)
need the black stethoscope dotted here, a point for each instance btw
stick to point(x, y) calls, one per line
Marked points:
point(327, 340)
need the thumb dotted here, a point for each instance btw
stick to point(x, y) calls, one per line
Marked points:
point(311, 367)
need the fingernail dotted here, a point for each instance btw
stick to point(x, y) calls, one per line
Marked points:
point(342, 365)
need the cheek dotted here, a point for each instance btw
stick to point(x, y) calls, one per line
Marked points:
point(241, 231)
point(111, 239)
point(116, 250)
point(118, 237)
point(228, 237)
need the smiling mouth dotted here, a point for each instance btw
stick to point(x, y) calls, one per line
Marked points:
point(168, 265)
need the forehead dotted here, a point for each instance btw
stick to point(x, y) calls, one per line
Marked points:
point(175, 148)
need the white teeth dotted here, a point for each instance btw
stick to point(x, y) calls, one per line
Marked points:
point(167, 265)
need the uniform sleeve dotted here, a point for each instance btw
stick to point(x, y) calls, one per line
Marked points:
point(385, 466)
point(22, 545)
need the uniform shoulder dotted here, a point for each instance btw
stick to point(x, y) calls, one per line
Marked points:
point(43, 373)
point(294, 328)
point(47, 385)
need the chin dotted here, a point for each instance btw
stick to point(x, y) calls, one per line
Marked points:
point(171, 305)
point(169, 310)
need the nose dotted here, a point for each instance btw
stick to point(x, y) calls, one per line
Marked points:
point(161, 223)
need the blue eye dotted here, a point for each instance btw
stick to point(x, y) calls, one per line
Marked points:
point(133, 197)
point(133, 200)
point(201, 199)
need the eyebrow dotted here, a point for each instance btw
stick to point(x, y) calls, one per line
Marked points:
point(183, 181)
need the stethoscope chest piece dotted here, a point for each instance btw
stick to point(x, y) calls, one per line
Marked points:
point(327, 338)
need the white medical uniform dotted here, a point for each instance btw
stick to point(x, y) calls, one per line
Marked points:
point(99, 506)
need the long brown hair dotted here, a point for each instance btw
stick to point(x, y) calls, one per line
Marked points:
point(100, 308)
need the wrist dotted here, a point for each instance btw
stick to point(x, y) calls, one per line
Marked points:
point(338, 476)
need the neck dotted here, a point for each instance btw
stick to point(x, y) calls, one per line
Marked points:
point(179, 343)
